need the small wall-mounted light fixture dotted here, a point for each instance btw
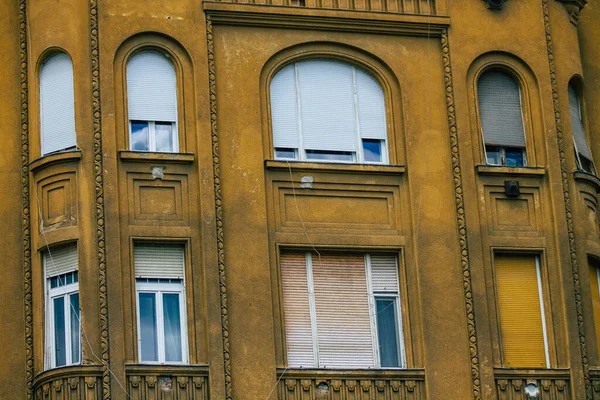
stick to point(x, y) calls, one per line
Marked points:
point(511, 188)
point(495, 4)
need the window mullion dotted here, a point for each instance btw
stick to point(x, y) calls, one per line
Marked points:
point(160, 327)
point(183, 326)
point(541, 296)
point(313, 308)
point(68, 338)
point(151, 135)
point(372, 312)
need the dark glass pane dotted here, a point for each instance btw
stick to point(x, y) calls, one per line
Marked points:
point(53, 282)
point(68, 279)
point(172, 318)
point(75, 335)
point(281, 153)
point(148, 338)
point(329, 155)
point(514, 157)
point(60, 354)
point(75, 277)
point(387, 330)
point(586, 164)
point(164, 136)
point(372, 150)
point(493, 155)
point(139, 136)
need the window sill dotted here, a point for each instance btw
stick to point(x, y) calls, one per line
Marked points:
point(541, 373)
point(368, 373)
point(69, 371)
point(511, 171)
point(141, 156)
point(586, 177)
point(55, 158)
point(175, 369)
point(278, 165)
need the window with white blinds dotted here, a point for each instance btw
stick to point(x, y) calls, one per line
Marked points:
point(582, 150)
point(61, 260)
point(57, 104)
point(341, 311)
point(152, 102)
point(328, 111)
point(159, 261)
point(501, 116)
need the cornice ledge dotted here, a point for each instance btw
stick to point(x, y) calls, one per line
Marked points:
point(574, 7)
point(380, 169)
point(73, 371)
point(143, 156)
point(586, 177)
point(325, 19)
point(395, 373)
point(510, 171)
point(55, 158)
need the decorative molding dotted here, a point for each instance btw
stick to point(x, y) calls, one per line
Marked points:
point(261, 15)
point(518, 383)
point(567, 198)
point(99, 182)
point(510, 171)
point(353, 169)
point(58, 158)
point(460, 216)
point(574, 7)
point(69, 383)
point(25, 206)
point(218, 204)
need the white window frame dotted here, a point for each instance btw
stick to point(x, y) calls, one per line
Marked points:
point(158, 289)
point(152, 136)
point(372, 296)
point(65, 291)
point(538, 270)
point(300, 153)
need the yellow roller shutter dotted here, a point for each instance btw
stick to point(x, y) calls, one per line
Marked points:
point(595, 300)
point(522, 330)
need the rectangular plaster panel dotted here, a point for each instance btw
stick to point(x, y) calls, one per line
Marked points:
point(158, 201)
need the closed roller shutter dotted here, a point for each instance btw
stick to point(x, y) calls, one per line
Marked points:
point(371, 107)
point(159, 261)
point(298, 330)
point(577, 124)
point(500, 110)
point(342, 308)
point(284, 108)
point(384, 273)
point(57, 104)
point(151, 88)
point(61, 260)
point(522, 329)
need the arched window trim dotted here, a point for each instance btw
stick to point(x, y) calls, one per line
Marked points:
point(370, 64)
point(60, 134)
point(151, 125)
point(503, 154)
point(583, 153)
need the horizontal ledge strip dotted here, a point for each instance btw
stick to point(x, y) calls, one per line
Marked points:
point(377, 374)
point(166, 369)
point(525, 373)
point(274, 165)
point(54, 158)
point(326, 19)
point(511, 171)
point(72, 371)
point(588, 178)
point(141, 156)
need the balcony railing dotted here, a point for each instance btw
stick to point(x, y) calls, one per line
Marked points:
point(550, 384)
point(158, 382)
point(69, 383)
point(408, 384)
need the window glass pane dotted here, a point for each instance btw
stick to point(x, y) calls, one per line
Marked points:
point(68, 279)
point(172, 320)
point(75, 336)
point(329, 155)
point(54, 282)
point(372, 150)
point(164, 136)
point(514, 157)
point(493, 155)
point(139, 136)
point(75, 277)
point(387, 330)
point(281, 153)
point(60, 354)
point(148, 347)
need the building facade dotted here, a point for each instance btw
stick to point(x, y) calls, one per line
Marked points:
point(300, 199)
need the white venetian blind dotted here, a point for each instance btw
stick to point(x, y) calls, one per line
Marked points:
point(371, 107)
point(151, 88)
point(500, 110)
point(327, 109)
point(343, 321)
point(159, 261)
point(284, 108)
point(61, 260)
point(384, 273)
point(57, 104)
point(298, 331)
point(577, 124)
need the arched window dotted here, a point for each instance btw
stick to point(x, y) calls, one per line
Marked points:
point(501, 116)
point(57, 105)
point(324, 110)
point(582, 150)
point(152, 103)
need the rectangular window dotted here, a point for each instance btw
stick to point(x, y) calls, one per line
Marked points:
point(521, 308)
point(153, 136)
point(63, 329)
point(594, 269)
point(342, 311)
point(161, 309)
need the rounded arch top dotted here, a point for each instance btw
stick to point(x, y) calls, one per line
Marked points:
point(508, 63)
